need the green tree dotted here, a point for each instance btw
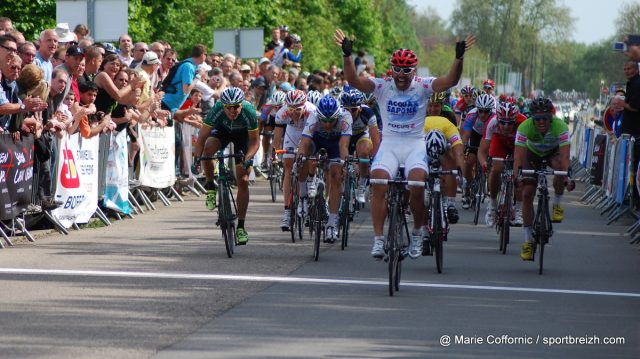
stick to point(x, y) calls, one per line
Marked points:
point(30, 17)
point(628, 20)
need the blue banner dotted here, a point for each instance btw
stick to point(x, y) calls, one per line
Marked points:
point(623, 171)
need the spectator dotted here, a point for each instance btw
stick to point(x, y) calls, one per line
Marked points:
point(18, 36)
point(235, 79)
point(81, 31)
point(58, 57)
point(58, 115)
point(125, 46)
point(184, 79)
point(283, 55)
point(139, 49)
point(108, 93)
point(633, 48)
point(359, 59)
point(238, 64)
point(168, 60)
point(65, 36)
point(216, 59)
point(284, 31)
point(145, 71)
point(263, 64)
point(275, 42)
point(227, 66)
point(48, 46)
point(252, 66)
point(301, 84)
point(92, 124)
point(93, 59)
point(10, 72)
point(158, 48)
point(5, 24)
point(259, 88)
point(84, 43)
point(74, 56)
point(27, 52)
point(292, 75)
point(613, 114)
point(245, 71)
point(631, 104)
point(8, 47)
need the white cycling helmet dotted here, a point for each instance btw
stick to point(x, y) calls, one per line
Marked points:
point(232, 96)
point(278, 98)
point(295, 98)
point(436, 144)
point(314, 97)
point(486, 101)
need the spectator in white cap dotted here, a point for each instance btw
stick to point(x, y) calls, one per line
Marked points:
point(65, 35)
point(245, 70)
point(263, 65)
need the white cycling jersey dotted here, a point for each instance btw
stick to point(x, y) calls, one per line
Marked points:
point(294, 129)
point(403, 112)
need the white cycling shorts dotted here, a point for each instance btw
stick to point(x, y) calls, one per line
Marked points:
point(396, 151)
point(292, 138)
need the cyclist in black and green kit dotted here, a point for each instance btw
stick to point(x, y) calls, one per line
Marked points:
point(231, 120)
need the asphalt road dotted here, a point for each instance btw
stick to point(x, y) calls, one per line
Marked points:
point(160, 285)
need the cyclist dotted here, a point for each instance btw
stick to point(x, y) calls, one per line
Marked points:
point(498, 141)
point(231, 120)
point(267, 121)
point(370, 100)
point(290, 121)
point(543, 136)
point(462, 108)
point(452, 157)
point(365, 137)
point(314, 97)
point(437, 107)
point(330, 129)
point(487, 86)
point(403, 105)
point(472, 131)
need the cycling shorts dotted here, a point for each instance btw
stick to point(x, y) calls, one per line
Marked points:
point(355, 139)
point(239, 138)
point(474, 142)
point(500, 148)
point(292, 138)
point(395, 151)
point(331, 145)
point(534, 162)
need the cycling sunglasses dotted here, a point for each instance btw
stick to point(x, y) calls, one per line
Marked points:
point(507, 122)
point(484, 110)
point(405, 70)
point(295, 109)
point(541, 117)
point(231, 107)
point(352, 109)
point(325, 119)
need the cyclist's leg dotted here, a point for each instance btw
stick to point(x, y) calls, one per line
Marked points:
point(208, 144)
point(529, 185)
point(364, 147)
point(266, 143)
point(384, 166)
point(449, 186)
point(555, 162)
point(417, 169)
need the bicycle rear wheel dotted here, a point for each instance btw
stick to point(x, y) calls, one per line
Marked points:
point(344, 214)
point(504, 220)
point(477, 199)
point(543, 230)
point(293, 208)
point(317, 223)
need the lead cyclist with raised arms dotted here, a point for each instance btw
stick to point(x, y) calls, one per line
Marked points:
point(403, 101)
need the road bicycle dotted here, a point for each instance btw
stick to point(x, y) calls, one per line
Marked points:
point(227, 208)
point(275, 173)
point(478, 191)
point(349, 206)
point(437, 221)
point(297, 216)
point(542, 227)
point(505, 203)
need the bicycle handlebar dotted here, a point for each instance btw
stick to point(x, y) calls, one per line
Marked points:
point(221, 157)
point(544, 172)
point(384, 181)
point(288, 152)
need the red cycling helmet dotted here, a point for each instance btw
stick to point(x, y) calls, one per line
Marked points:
point(489, 83)
point(404, 58)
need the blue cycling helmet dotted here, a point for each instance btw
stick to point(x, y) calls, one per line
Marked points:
point(328, 109)
point(352, 98)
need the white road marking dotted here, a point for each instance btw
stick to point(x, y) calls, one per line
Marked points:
point(295, 280)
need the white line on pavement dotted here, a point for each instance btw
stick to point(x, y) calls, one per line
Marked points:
point(295, 280)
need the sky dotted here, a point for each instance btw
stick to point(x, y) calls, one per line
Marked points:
point(594, 19)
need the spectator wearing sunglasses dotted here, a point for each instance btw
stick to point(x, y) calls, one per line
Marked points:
point(139, 49)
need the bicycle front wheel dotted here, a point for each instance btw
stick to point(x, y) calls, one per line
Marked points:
point(226, 223)
point(438, 232)
point(477, 201)
point(344, 214)
point(273, 182)
point(393, 248)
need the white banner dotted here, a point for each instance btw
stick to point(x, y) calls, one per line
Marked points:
point(157, 156)
point(77, 179)
point(116, 192)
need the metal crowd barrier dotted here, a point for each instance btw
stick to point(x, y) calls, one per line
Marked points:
point(603, 162)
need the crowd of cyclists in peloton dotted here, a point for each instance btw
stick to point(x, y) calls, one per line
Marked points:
point(399, 120)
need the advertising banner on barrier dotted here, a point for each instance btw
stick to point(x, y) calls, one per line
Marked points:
point(623, 171)
point(77, 179)
point(116, 192)
point(157, 156)
point(16, 175)
point(189, 135)
point(597, 159)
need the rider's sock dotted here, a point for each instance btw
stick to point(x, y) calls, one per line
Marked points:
point(333, 219)
point(240, 223)
point(557, 199)
point(303, 189)
point(363, 181)
point(416, 231)
point(378, 238)
point(210, 185)
point(452, 201)
point(528, 235)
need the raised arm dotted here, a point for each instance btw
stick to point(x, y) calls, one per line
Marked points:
point(446, 82)
point(361, 83)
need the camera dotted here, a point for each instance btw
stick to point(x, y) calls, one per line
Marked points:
point(619, 46)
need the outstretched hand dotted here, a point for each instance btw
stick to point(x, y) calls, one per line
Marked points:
point(463, 46)
point(345, 43)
